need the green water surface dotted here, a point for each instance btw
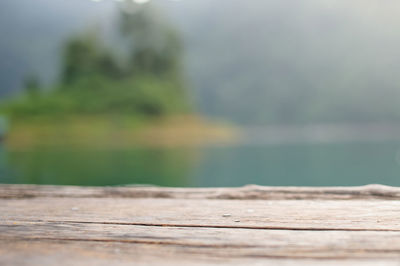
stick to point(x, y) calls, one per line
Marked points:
point(334, 164)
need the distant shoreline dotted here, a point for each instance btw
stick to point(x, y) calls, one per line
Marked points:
point(319, 133)
point(184, 131)
point(118, 132)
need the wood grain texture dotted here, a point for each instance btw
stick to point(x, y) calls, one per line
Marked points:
point(260, 214)
point(171, 226)
point(252, 192)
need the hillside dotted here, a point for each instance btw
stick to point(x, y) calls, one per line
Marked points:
point(274, 61)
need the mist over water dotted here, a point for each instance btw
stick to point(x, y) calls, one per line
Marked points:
point(308, 61)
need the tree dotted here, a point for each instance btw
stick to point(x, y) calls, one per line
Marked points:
point(93, 80)
point(150, 81)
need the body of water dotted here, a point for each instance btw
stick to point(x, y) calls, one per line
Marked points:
point(295, 164)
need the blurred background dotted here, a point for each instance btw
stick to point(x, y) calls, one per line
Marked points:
point(200, 93)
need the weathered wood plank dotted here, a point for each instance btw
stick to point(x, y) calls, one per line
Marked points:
point(261, 214)
point(218, 242)
point(172, 226)
point(99, 253)
point(248, 192)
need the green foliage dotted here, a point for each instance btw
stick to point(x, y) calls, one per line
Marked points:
point(94, 81)
point(83, 57)
point(143, 96)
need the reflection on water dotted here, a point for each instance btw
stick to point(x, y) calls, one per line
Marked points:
point(99, 167)
point(318, 164)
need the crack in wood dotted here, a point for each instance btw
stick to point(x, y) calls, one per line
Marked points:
point(275, 228)
point(131, 241)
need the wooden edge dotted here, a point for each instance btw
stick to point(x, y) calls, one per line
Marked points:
point(250, 192)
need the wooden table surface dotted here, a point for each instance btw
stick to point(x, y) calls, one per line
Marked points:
point(253, 225)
